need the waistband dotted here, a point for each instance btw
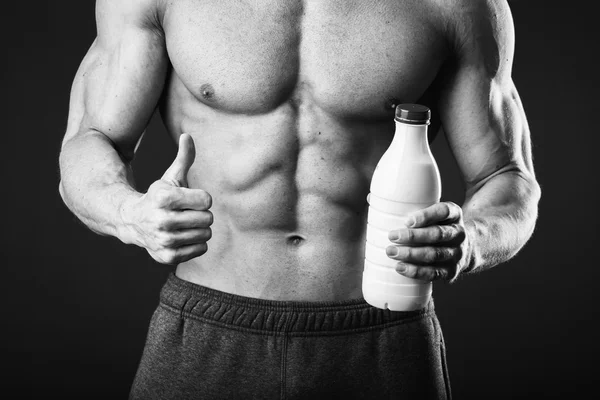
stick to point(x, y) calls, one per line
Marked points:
point(210, 305)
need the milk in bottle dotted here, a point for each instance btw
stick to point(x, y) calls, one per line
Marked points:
point(406, 179)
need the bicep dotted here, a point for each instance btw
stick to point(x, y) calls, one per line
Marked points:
point(119, 81)
point(480, 108)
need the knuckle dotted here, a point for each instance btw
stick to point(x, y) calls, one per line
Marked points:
point(202, 248)
point(448, 206)
point(457, 254)
point(427, 255)
point(407, 253)
point(163, 197)
point(166, 240)
point(209, 218)
point(169, 256)
point(447, 254)
point(436, 274)
point(410, 271)
point(198, 250)
point(459, 210)
point(451, 205)
point(441, 233)
point(162, 222)
point(451, 232)
point(439, 254)
point(455, 209)
point(419, 218)
point(429, 274)
point(207, 199)
point(432, 255)
point(416, 272)
point(460, 232)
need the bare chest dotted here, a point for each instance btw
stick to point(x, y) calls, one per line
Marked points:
point(353, 58)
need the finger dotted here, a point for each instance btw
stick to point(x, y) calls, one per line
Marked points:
point(176, 174)
point(185, 237)
point(425, 273)
point(437, 213)
point(181, 254)
point(425, 255)
point(453, 233)
point(187, 219)
point(191, 199)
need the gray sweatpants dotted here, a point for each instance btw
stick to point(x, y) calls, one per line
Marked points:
point(206, 344)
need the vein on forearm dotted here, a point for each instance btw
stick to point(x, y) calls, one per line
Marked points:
point(500, 215)
point(94, 186)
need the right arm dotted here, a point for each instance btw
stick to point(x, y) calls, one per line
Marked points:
point(113, 96)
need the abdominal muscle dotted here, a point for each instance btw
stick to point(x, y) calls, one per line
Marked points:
point(289, 195)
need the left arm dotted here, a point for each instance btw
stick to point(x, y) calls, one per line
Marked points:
point(488, 134)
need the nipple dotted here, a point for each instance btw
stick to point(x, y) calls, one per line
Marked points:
point(207, 91)
point(391, 103)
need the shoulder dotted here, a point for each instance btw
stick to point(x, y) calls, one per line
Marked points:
point(481, 31)
point(117, 20)
point(476, 10)
point(476, 19)
point(145, 13)
point(132, 6)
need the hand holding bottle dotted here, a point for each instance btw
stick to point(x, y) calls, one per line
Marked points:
point(433, 245)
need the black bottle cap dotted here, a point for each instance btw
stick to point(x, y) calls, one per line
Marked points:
point(415, 114)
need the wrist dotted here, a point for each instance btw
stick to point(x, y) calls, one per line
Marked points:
point(472, 259)
point(126, 231)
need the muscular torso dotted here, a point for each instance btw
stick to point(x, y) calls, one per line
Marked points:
point(290, 105)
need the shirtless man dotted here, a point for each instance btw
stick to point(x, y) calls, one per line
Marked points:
point(281, 111)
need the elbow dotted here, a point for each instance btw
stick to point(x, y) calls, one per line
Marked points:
point(61, 191)
point(529, 188)
point(536, 197)
point(529, 214)
point(534, 193)
point(537, 192)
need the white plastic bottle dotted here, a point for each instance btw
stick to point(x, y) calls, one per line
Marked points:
point(406, 179)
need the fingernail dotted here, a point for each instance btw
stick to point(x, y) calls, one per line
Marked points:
point(393, 235)
point(391, 251)
point(410, 221)
point(401, 268)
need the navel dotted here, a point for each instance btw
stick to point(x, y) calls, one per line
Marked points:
point(295, 240)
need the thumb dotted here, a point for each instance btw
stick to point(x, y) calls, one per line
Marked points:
point(176, 174)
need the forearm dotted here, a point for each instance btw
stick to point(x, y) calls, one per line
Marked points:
point(500, 217)
point(96, 183)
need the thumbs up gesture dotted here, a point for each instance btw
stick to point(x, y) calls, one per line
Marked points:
point(171, 221)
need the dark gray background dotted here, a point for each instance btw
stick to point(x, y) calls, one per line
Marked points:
point(76, 305)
